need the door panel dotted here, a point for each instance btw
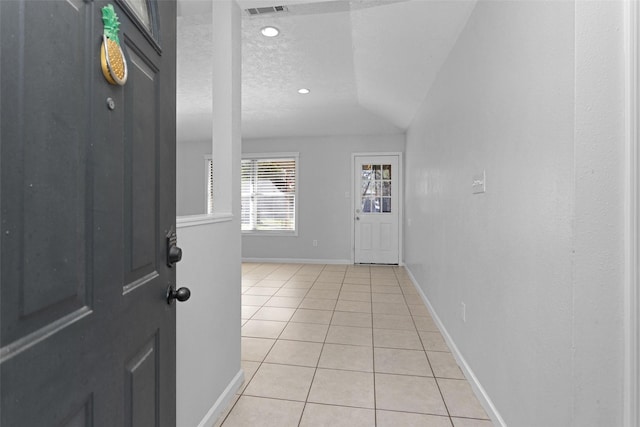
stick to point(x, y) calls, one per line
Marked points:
point(365, 237)
point(141, 109)
point(46, 288)
point(376, 216)
point(87, 198)
point(141, 397)
point(81, 418)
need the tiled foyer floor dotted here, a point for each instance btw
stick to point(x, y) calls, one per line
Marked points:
point(337, 345)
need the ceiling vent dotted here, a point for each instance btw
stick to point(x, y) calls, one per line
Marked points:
point(266, 10)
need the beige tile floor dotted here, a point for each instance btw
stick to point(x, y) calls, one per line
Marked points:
point(337, 345)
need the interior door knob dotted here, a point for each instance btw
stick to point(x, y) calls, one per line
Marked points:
point(181, 294)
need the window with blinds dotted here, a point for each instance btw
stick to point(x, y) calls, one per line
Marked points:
point(209, 171)
point(269, 194)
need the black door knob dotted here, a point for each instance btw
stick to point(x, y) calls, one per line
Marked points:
point(181, 294)
point(174, 255)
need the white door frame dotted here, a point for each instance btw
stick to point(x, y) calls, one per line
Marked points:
point(400, 201)
point(632, 220)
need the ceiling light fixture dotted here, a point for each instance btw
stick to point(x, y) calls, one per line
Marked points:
point(270, 31)
point(304, 91)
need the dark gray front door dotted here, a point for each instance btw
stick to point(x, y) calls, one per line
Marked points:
point(87, 186)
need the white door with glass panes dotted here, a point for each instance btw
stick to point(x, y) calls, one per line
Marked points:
point(376, 217)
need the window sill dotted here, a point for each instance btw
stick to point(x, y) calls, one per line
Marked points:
point(270, 233)
point(195, 220)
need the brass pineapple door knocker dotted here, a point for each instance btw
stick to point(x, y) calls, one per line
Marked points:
point(114, 64)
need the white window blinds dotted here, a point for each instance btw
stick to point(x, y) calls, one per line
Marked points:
point(269, 194)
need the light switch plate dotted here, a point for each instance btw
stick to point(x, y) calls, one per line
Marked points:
point(479, 183)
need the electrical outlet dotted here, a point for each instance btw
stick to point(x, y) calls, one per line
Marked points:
point(464, 312)
point(315, 243)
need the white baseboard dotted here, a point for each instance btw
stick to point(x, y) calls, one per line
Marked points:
point(218, 408)
point(298, 261)
point(479, 391)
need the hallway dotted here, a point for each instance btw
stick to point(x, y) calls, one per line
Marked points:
point(338, 345)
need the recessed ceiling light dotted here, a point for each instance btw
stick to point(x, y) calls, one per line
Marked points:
point(270, 31)
point(303, 91)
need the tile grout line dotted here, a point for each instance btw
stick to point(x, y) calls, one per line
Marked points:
point(260, 364)
point(267, 353)
point(315, 371)
point(373, 355)
point(435, 380)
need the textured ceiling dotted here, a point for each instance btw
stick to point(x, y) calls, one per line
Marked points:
point(368, 63)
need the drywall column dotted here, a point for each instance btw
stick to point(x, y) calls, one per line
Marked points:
point(226, 100)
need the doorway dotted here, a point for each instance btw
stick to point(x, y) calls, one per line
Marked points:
point(376, 208)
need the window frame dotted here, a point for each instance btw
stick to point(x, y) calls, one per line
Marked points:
point(276, 157)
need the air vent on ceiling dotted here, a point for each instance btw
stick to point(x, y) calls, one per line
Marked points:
point(264, 10)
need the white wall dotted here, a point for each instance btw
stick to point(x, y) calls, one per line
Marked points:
point(531, 93)
point(324, 212)
point(208, 325)
point(191, 177)
point(599, 182)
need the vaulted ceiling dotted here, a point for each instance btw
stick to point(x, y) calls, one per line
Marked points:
point(368, 64)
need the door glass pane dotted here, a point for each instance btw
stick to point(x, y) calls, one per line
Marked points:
point(367, 185)
point(386, 171)
point(141, 9)
point(386, 204)
point(376, 206)
point(366, 172)
point(377, 170)
point(367, 188)
point(366, 205)
point(375, 187)
point(386, 188)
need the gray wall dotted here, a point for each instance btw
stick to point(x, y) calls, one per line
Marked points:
point(324, 212)
point(599, 179)
point(191, 178)
point(208, 325)
point(531, 93)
